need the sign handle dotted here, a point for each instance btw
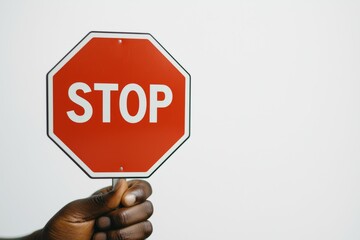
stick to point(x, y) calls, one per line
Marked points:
point(114, 182)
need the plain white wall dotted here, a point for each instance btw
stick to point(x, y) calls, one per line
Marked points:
point(275, 145)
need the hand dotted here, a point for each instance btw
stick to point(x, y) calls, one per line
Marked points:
point(108, 214)
point(130, 221)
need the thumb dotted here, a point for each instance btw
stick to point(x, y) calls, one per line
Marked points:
point(90, 208)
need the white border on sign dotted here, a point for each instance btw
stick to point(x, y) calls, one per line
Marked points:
point(69, 152)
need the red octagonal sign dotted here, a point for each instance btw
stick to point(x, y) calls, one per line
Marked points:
point(118, 104)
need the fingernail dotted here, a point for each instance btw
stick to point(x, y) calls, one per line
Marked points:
point(130, 199)
point(103, 223)
point(100, 236)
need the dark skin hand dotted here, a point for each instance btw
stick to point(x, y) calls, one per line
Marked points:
point(109, 214)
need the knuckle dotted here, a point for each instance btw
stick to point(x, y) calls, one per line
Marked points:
point(140, 194)
point(149, 209)
point(116, 235)
point(147, 186)
point(121, 218)
point(123, 235)
point(139, 231)
point(99, 200)
point(148, 228)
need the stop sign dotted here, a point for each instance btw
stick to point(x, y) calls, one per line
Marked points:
point(118, 104)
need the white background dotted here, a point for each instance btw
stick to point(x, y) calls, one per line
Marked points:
point(274, 151)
